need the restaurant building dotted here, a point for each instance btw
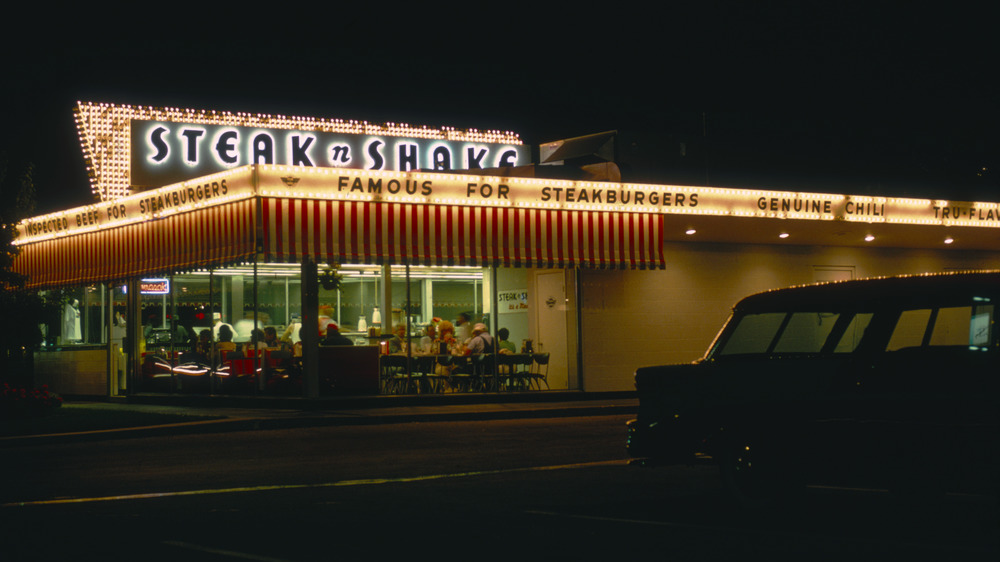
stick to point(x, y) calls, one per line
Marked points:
point(211, 218)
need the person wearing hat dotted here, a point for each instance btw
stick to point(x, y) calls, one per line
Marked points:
point(333, 335)
point(217, 323)
point(481, 342)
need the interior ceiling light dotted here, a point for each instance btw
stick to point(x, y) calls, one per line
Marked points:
point(949, 240)
point(690, 231)
point(869, 238)
point(783, 235)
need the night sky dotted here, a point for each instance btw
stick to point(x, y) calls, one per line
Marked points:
point(875, 99)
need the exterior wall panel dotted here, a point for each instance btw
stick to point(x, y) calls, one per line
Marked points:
point(632, 319)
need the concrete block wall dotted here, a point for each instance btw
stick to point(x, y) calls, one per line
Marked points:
point(73, 371)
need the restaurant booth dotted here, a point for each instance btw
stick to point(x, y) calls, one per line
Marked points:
point(256, 221)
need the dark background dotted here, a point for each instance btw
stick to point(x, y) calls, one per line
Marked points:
point(873, 98)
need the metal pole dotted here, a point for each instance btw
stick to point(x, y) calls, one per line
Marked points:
point(309, 333)
point(256, 361)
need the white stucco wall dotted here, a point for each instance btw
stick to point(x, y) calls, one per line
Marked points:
point(636, 318)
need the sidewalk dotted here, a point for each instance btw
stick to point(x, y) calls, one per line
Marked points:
point(260, 413)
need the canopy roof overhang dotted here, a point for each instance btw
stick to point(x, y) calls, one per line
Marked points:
point(282, 214)
point(288, 214)
point(749, 230)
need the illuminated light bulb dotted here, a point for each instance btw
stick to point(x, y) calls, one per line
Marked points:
point(869, 238)
point(690, 231)
point(783, 235)
point(949, 240)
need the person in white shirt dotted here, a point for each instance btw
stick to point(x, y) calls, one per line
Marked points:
point(218, 323)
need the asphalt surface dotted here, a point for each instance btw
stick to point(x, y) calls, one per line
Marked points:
point(258, 413)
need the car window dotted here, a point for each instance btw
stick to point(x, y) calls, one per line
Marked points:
point(910, 329)
point(951, 327)
point(806, 332)
point(855, 331)
point(753, 333)
point(981, 326)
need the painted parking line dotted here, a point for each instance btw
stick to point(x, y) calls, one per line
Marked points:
point(341, 483)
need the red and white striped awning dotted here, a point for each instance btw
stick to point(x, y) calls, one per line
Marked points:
point(419, 234)
point(207, 237)
point(347, 232)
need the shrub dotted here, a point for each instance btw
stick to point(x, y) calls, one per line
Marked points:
point(18, 402)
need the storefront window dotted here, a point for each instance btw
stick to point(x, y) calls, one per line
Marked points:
point(388, 310)
point(191, 298)
point(356, 305)
point(463, 296)
point(445, 293)
point(79, 318)
point(279, 296)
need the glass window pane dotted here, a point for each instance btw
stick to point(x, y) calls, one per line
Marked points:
point(910, 329)
point(854, 332)
point(753, 334)
point(806, 332)
point(980, 330)
point(952, 326)
point(77, 316)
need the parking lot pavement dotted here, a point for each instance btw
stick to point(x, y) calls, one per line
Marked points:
point(222, 414)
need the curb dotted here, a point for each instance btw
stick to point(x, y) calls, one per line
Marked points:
point(372, 416)
point(359, 402)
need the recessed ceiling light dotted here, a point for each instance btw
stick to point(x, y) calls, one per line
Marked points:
point(783, 235)
point(869, 238)
point(949, 240)
point(690, 231)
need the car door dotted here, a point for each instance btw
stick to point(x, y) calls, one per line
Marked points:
point(931, 398)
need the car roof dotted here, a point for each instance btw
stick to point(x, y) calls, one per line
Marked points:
point(877, 292)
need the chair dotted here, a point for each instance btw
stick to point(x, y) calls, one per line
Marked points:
point(522, 374)
point(276, 360)
point(393, 375)
point(230, 355)
point(443, 367)
point(430, 380)
point(513, 371)
point(242, 373)
point(221, 369)
point(280, 374)
point(462, 376)
point(483, 372)
point(539, 370)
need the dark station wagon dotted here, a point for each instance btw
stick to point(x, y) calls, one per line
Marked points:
point(888, 383)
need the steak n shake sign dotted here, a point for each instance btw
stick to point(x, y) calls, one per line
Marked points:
point(134, 148)
point(165, 152)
